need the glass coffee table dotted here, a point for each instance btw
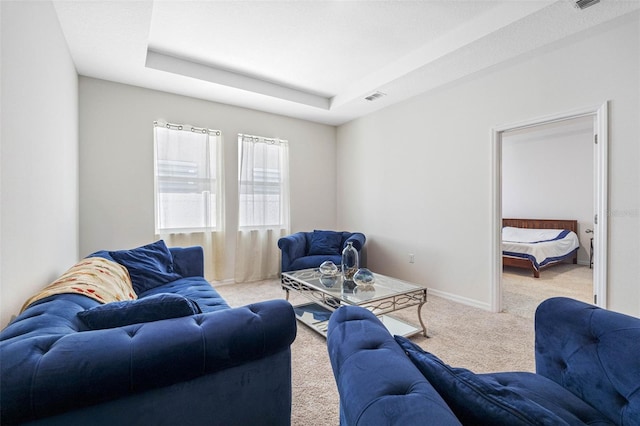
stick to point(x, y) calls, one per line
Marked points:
point(327, 293)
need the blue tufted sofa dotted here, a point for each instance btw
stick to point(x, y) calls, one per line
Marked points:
point(304, 250)
point(224, 366)
point(587, 372)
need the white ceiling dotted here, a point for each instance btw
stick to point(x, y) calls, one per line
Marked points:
point(315, 60)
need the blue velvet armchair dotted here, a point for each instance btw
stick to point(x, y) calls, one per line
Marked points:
point(587, 373)
point(304, 250)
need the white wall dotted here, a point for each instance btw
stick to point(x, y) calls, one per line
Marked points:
point(416, 177)
point(116, 162)
point(39, 153)
point(548, 172)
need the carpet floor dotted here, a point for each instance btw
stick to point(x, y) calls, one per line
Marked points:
point(522, 293)
point(461, 335)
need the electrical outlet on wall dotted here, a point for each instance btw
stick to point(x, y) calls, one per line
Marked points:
point(412, 258)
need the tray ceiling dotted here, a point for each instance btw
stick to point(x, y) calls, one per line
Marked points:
point(315, 60)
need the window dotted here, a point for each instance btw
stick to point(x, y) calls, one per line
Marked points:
point(187, 177)
point(263, 182)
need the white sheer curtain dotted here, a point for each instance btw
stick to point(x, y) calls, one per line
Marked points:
point(189, 192)
point(263, 213)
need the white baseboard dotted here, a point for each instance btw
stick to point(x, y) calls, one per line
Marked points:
point(460, 299)
point(222, 283)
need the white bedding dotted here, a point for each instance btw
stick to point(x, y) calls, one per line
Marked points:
point(541, 246)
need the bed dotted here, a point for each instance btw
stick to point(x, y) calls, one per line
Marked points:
point(536, 244)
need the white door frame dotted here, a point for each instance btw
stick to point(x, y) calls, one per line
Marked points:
point(600, 113)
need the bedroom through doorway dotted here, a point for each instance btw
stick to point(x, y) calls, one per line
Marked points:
point(547, 173)
point(550, 168)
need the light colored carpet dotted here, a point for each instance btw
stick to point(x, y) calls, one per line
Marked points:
point(460, 335)
point(522, 293)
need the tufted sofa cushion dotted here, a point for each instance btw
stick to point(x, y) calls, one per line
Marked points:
point(193, 288)
point(596, 356)
point(52, 317)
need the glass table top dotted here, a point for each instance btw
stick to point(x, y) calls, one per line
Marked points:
point(348, 291)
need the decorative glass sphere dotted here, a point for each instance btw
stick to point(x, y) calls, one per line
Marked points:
point(328, 268)
point(363, 276)
point(329, 280)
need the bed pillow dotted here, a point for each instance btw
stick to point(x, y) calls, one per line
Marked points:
point(152, 308)
point(149, 266)
point(473, 399)
point(325, 243)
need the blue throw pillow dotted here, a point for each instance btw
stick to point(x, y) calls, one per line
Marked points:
point(325, 242)
point(153, 308)
point(149, 266)
point(475, 400)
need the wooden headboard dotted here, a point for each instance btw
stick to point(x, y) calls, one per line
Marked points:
point(571, 225)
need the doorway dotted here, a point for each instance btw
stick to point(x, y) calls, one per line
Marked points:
point(598, 116)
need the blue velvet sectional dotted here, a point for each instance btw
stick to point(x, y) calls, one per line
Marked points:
point(587, 373)
point(304, 250)
point(223, 366)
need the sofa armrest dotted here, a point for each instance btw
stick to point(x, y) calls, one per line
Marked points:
point(377, 382)
point(85, 368)
point(593, 353)
point(188, 261)
point(292, 246)
point(358, 239)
